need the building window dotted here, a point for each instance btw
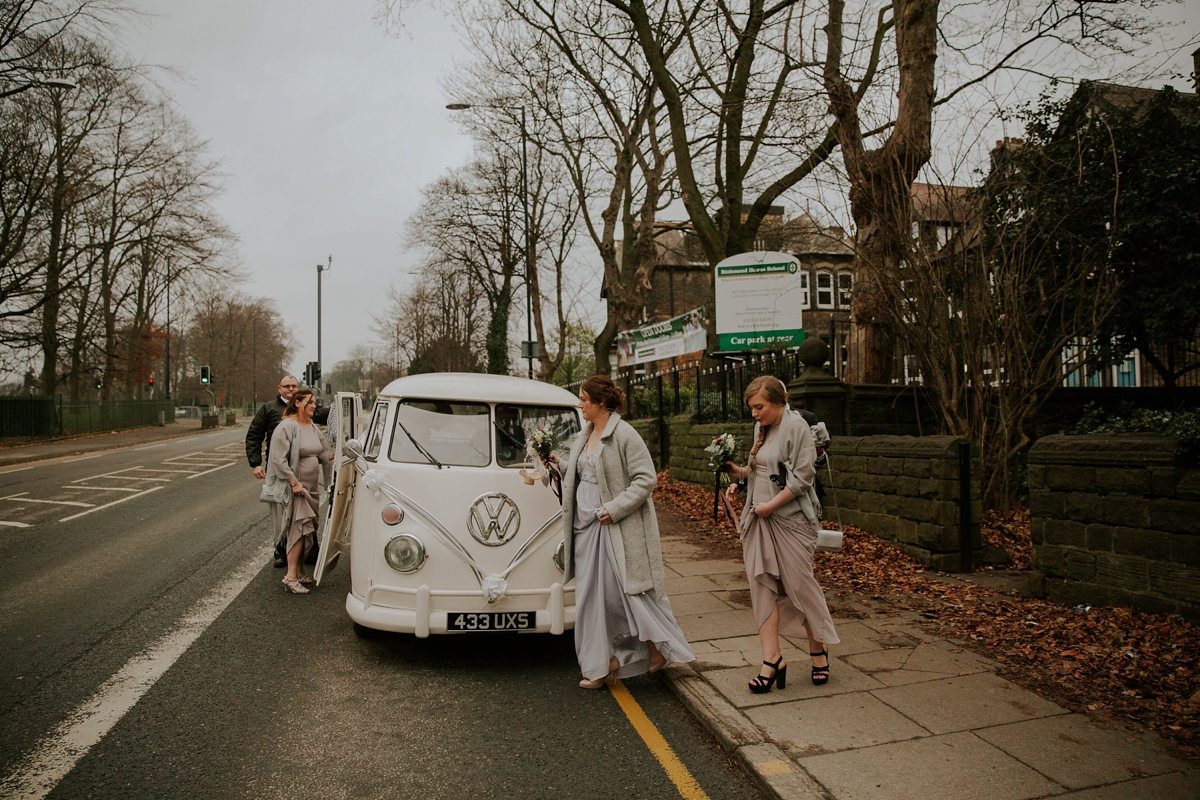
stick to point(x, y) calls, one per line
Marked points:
point(804, 299)
point(824, 289)
point(1127, 371)
point(845, 284)
point(912, 371)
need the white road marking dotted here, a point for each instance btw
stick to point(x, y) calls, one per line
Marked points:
point(101, 488)
point(82, 458)
point(149, 447)
point(108, 475)
point(57, 753)
point(113, 503)
point(223, 466)
point(7, 524)
point(176, 471)
point(18, 469)
point(16, 499)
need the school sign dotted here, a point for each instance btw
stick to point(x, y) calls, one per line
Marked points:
point(759, 301)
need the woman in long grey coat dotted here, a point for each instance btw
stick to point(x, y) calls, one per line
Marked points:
point(300, 454)
point(623, 621)
point(779, 534)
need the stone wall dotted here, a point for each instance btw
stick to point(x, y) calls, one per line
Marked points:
point(906, 489)
point(901, 488)
point(1116, 521)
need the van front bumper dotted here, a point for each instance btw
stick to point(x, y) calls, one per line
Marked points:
point(422, 620)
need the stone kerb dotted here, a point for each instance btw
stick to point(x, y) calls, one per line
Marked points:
point(1115, 521)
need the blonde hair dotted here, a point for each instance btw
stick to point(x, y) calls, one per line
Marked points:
point(775, 393)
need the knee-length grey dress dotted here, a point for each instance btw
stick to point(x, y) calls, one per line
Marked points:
point(779, 553)
point(609, 622)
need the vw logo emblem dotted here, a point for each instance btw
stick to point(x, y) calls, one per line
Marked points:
point(493, 519)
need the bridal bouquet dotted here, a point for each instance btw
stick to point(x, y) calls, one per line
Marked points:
point(722, 449)
point(538, 449)
point(720, 453)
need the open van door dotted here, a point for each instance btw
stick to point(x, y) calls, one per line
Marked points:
point(337, 521)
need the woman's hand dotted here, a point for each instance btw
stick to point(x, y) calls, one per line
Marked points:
point(331, 455)
point(764, 510)
point(731, 492)
point(604, 517)
point(297, 488)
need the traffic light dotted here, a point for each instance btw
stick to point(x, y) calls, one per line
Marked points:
point(205, 375)
point(99, 383)
point(151, 380)
point(312, 374)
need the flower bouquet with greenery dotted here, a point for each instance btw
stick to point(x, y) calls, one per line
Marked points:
point(539, 448)
point(721, 453)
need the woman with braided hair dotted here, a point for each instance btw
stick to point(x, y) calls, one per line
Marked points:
point(779, 534)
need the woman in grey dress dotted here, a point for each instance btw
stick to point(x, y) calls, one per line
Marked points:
point(779, 534)
point(623, 621)
point(300, 454)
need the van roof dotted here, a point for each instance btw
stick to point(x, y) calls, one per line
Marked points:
point(479, 387)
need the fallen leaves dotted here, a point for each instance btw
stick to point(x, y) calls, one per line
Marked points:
point(1109, 662)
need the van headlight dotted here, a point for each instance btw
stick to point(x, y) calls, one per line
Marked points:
point(559, 554)
point(404, 553)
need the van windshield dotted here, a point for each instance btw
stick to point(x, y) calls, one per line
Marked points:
point(456, 434)
point(515, 424)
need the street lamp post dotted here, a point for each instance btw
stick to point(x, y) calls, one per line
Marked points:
point(320, 268)
point(529, 344)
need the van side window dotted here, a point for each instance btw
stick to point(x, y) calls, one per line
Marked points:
point(375, 432)
point(515, 424)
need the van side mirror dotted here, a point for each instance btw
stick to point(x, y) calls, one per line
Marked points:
point(353, 447)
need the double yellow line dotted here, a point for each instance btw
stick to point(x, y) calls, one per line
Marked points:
point(688, 788)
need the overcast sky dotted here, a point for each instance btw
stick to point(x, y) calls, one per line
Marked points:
point(326, 128)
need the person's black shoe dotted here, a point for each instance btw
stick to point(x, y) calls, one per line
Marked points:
point(280, 561)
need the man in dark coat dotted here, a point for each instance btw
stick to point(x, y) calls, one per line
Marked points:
point(259, 434)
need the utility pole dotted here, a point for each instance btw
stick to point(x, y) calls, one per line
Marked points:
point(320, 268)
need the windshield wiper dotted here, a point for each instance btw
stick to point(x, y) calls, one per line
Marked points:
point(417, 445)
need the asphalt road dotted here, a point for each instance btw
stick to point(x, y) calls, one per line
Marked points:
point(277, 697)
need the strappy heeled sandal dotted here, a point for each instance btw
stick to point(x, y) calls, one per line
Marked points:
point(762, 685)
point(293, 585)
point(820, 675)
point(305, 579)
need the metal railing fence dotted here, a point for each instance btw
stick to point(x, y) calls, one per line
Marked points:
point(711, 394)
point(52, 416)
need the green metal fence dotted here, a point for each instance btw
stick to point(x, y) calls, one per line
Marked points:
point(52, 416)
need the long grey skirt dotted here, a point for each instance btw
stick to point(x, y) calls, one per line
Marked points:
point(609, 622)
point(779, 556)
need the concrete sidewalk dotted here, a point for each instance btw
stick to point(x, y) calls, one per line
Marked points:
point(56, 448)
point(905, 715)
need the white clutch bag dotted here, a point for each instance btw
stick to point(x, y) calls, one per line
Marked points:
point(829, 541)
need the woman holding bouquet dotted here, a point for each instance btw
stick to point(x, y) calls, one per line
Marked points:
point(624, 625)
point(779, 534)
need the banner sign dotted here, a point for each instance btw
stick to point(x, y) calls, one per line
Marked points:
point(759, 301)
point(676, 336)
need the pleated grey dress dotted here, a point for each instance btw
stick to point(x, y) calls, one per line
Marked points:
point(779, 554)
point(609, 622)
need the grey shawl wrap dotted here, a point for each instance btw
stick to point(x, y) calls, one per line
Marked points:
point(794, 446)
point(625, 474)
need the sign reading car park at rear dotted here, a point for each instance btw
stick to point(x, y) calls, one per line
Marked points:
point(759, 301)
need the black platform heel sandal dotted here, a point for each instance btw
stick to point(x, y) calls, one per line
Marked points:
point(761, 685)
point(820, 675)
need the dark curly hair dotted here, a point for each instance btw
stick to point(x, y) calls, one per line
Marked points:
point(602, 391)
